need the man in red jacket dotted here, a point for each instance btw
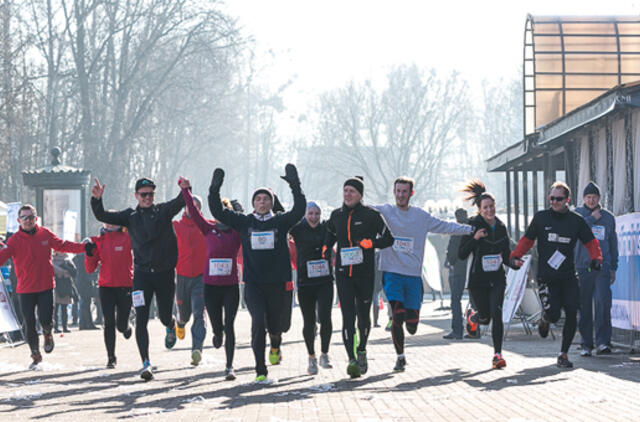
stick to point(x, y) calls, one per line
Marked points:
point(113, 253)
point(30, 249)
point(192, 254)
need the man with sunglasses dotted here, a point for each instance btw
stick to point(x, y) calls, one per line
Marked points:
point(155, 253)
point(30, 249)
point(557, 230)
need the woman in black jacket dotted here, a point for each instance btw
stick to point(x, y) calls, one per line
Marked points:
point(490, 247)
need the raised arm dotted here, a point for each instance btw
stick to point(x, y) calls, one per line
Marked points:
point(176, 204)
point(234, 219)
point(115, 218)
point(194, 212)
point(299, 201)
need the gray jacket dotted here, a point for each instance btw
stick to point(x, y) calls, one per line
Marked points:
point(604, 229)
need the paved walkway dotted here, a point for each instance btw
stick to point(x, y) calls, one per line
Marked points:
point(448, 381)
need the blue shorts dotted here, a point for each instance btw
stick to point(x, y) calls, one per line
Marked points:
point(403, 288)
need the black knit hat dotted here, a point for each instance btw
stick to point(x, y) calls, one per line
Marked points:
point(262, 190)
point(591, 189)
point(356, 182)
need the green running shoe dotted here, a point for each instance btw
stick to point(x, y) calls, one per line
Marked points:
point(196, 357)
point(353, 370)
point(261, 379)
point(275, 356)
point(170, 338)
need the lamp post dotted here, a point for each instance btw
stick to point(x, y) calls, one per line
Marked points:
point(61, 198)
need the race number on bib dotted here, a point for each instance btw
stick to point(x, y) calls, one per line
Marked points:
point(599, 232)
point(351, 256)
point(319, 268)
point(220, 266)
point(138, 298)
point(403, 244)
point(491, 263)
point(263, 240)
point(556, 260)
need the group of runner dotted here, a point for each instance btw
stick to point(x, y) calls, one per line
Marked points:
point(206, 254)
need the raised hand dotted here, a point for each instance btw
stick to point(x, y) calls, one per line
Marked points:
point(216, 180)
point(184, 183)
point(97, 190)
point(291, 175)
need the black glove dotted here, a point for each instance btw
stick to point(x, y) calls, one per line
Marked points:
point(235, 204)
point(90, 248)
point(216, 180)
point(291, 175)
point(596, 265)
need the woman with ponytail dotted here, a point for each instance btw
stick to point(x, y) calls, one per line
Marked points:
point(490, 247)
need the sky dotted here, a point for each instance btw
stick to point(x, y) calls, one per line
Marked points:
point(322, 45)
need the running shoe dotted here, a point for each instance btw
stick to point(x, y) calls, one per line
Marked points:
point(400, 364)
point(324, 361)
point(48, 343)
point(261, 379)
point(127, 333)
point(563, 361)
point(196, 357)
point(170, 338)
point(217, 340)
point(275, 356)
point(389, 324)
point(36, 359)
point(146, 373)
point(498, 361)
point(452, 336)
point(543, 328)
point(229, 375)
point(353, 369)
point(472, 322)
point(312, 369)
point(65, 330)
point(180, 331)
point(585, 352)
point(603, 349)
point(111, 362)
point(362, 362)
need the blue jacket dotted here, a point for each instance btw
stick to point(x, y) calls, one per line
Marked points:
point(604, 230)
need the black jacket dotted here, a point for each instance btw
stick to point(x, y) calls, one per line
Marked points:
point(263, 265)
point(154, 244)
point(459, 265)
point(309, 243)
point(348, 226)
point(496, 243)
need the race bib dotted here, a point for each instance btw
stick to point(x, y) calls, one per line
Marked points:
point(220, 266)
point(263, 240)
point(119, 248)
point(554, 237)
point(599, 232)
point(403, 244)
point(491, 263)
point(319, 268)
point(138, 298)
point(351, 256)
point(556, 260)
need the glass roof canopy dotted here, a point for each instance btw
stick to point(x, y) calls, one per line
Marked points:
point(569, 61)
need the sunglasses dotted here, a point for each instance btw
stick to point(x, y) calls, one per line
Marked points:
point(146, 194)
point(29, 217)
point(557, 198)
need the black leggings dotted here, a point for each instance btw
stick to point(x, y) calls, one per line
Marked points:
point(114, 300)
point(219, 300)
point(266, 303)
point(28, 303)
point(558, 295)
point(355, 300)
point(164, 287)
point(310, 297)
point(488, 302)
point(400, 316)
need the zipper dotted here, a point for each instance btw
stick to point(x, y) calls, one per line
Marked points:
point(349, 238)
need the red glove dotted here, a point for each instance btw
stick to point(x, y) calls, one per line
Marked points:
point(366, 244)
point(289, 286)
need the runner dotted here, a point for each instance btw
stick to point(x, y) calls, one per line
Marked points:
point(315, 284)
point(189, 287)
point(402, 264)
point(155, 254)
point(30, 249)
point(221, 291)
point(595, 286)
point(490, 246)
point(557, 230)
point(358, 229)
point(266, 261)
point(113, 254)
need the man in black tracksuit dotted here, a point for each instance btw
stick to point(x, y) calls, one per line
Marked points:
point(266, 261)
point(557, 230)
point(358, 229)
point(155, 253)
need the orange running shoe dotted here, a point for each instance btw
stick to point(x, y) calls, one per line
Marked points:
point(472, 323)
point(498, 361)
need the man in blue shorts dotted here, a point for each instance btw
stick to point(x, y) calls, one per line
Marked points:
point(402, 263)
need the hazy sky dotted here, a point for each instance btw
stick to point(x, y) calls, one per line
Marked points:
point(324, 44)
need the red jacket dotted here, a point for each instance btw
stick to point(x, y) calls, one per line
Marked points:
point(114, 255)
point(192, 249)
point(31, 255)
